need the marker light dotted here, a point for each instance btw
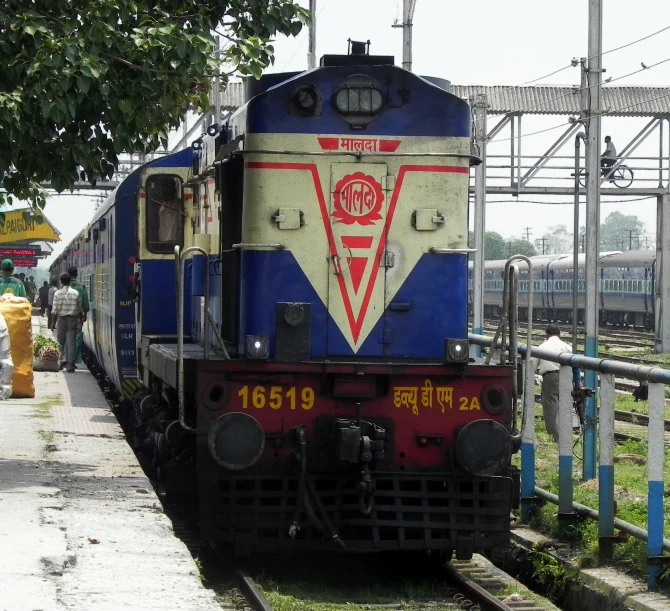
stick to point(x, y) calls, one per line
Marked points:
point(456, 351)
point(258, 347)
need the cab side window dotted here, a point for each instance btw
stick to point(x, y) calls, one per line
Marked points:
point(165, 214)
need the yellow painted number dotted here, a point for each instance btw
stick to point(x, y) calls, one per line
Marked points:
point(307, 398)
point(291, 395)
point(468, 404)
point(276, 397)
point(258, 398)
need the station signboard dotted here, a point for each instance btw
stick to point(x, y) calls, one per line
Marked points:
point(20, 251)
point(24, 261)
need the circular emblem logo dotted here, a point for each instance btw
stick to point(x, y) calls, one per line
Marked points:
point(358, 199)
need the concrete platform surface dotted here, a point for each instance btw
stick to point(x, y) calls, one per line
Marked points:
point(80, 525)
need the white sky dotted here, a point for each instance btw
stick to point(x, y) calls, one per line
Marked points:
point(485, 43)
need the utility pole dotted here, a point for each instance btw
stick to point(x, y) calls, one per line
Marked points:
point(527, 233)
point(406, 25)
point(594, 78)
point(544, 242)
point(480, 107)
point(311, 53)
point(630, 238)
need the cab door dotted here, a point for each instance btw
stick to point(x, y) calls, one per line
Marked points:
point(356, 285)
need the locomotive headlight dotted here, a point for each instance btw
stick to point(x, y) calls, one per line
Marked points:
point(457, 351)
point(483, 447)
point(359, 100)
point(236, 441)
point(258, 347)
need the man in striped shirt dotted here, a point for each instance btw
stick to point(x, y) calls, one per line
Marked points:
point(67, 307)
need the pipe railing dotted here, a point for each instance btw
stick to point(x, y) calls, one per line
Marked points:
point(567, 508)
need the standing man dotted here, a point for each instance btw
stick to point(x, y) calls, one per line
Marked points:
point(9, 284)
point(44, 297)
point(51, 319)
point(549, 372)
point(608, 158)
point(83, 293)
point(67, 306)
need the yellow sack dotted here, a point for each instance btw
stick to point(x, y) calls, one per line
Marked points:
point(17, 312)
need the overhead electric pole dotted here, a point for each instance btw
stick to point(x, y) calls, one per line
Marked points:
point(311, 54)
point(594, 78)
point(527, 233)
point(406, 25)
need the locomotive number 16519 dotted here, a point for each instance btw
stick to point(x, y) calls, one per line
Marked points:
point(276, 397)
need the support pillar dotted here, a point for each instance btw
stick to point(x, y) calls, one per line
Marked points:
point(480, 220)
point(592, 313)
point(311, 53)
point(662, 274)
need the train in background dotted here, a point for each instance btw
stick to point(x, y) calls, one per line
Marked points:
point(326, 397)
point(627, 288)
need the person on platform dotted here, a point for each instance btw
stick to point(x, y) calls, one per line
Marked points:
point(81, 289)
point(51, 319)
point(549, 372)
point(44, 297)
point(33, 288)
point(68, 307)
point(9, 284)
point(608, 158)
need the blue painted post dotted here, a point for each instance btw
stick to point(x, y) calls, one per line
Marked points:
point(565, 513)
point(528, 447)
point(606, 472)
point(655, 456)
point(591, 379)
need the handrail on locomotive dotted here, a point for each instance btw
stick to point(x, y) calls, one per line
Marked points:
point(208, 321)
point(510, 318)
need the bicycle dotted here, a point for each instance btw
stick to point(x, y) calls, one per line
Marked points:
point(620, 175)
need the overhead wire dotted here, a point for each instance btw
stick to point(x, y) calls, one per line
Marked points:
point(575, 91)
point(572, 65)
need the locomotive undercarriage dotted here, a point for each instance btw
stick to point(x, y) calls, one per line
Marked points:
point(409, 511)
point(338, 490)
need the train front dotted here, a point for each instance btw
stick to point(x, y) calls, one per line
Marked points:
point(352, 416)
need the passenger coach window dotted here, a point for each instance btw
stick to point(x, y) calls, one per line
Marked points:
point(165, 214)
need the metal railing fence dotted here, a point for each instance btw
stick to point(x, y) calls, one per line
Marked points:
point(656, 378)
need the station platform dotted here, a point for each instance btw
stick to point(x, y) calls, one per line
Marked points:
point(81, 527)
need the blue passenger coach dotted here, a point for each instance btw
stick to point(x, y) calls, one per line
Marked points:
point(121, 275)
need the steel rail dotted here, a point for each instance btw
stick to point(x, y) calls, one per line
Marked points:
point(594, 514)
point(252, 592)
point(603, 365)
point(485, 599)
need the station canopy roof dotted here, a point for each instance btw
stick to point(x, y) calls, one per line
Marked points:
point(565, 100)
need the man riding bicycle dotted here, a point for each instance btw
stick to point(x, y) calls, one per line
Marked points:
point(608, 158)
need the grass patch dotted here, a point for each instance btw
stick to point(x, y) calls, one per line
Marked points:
point(315, 596)
point(630, 494)
point(46, 436)
point(42, 410)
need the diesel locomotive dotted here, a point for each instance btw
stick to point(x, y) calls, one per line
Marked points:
point(282, 307)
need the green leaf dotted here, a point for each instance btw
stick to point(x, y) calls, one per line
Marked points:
point(30, 30)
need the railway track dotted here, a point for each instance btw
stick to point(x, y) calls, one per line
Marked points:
point(468, 585)
point(567, 330)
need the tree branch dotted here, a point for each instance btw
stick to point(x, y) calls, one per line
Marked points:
point(140, 68)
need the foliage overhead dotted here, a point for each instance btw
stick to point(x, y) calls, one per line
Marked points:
point(496, 247)
point(84, 80)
